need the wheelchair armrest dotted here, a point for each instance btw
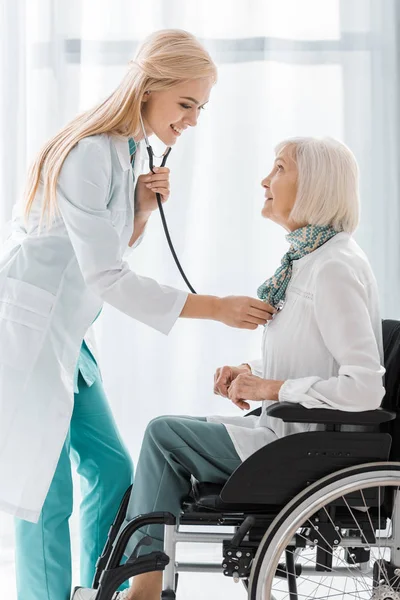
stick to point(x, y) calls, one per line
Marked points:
point(255, 413)
point(296, 413)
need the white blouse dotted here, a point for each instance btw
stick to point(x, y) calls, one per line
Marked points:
point(326, 343)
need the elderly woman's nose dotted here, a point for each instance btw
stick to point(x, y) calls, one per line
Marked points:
point(266, 181)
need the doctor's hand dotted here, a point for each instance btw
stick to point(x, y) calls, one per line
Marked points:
point(146, 188)
point(250, 387)
point(244, 312)
point(235, 311)
point(225, 375)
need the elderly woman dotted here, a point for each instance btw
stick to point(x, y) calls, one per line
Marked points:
point(323, 347)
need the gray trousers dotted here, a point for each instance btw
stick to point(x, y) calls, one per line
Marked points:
point(174, 449)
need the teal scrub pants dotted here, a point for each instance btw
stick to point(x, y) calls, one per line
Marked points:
point(43, 551)
point(174, 449)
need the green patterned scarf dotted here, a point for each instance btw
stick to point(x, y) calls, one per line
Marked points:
point(302, 242)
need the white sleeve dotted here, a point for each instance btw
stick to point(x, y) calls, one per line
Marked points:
point(341, 311)
point(83, 196)
point(256, 367)
point(129, 249)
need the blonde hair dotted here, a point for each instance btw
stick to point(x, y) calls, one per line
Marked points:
point(327, 184)
point(164, 59)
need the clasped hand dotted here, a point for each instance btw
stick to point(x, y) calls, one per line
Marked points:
point(240, 385)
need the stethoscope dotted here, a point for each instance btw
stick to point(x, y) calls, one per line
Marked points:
point(158, 196)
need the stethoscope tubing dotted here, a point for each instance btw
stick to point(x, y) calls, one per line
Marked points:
point(163, 219)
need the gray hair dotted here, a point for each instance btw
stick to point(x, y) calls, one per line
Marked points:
point(327, 188)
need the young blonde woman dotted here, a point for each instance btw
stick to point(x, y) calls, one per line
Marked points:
point(63, 260)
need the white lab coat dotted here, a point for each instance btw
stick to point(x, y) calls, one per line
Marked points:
point(52, 285)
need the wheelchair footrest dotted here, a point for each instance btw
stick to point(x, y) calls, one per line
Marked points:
point(111, 579)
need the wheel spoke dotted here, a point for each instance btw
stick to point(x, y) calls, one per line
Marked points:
point(384, 574)
point(351, 575)
point(358, 527)
point(308, 580)
point(316, 563)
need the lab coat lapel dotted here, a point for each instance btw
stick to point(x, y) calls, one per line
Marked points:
point(122, 148)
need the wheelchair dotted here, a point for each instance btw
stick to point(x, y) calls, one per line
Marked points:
point(314, 515)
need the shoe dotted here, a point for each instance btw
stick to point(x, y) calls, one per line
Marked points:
point(90, 594)
point(84, 594)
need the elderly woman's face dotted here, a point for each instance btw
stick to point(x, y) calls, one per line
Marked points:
point(280, 190)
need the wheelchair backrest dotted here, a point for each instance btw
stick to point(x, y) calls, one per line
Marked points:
point(391, 401)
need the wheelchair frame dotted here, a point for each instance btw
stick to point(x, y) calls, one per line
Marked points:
point(348, 440)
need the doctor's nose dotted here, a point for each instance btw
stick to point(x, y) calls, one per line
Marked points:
point(191, 120)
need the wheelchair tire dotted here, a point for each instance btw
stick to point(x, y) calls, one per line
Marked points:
point(270, 579)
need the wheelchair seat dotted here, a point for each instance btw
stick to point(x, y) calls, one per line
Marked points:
point(207, 497)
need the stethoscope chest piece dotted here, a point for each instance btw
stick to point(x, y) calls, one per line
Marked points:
point(280, 305)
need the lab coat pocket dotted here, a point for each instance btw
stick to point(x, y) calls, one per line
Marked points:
point(24, 314)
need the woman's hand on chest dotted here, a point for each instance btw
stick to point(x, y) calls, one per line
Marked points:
point(146, 188)
point(250, 387)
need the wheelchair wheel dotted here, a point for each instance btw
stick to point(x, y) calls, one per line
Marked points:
point(339, 538)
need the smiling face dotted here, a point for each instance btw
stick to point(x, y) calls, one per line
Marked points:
point(280, 188)
point(167, 113)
